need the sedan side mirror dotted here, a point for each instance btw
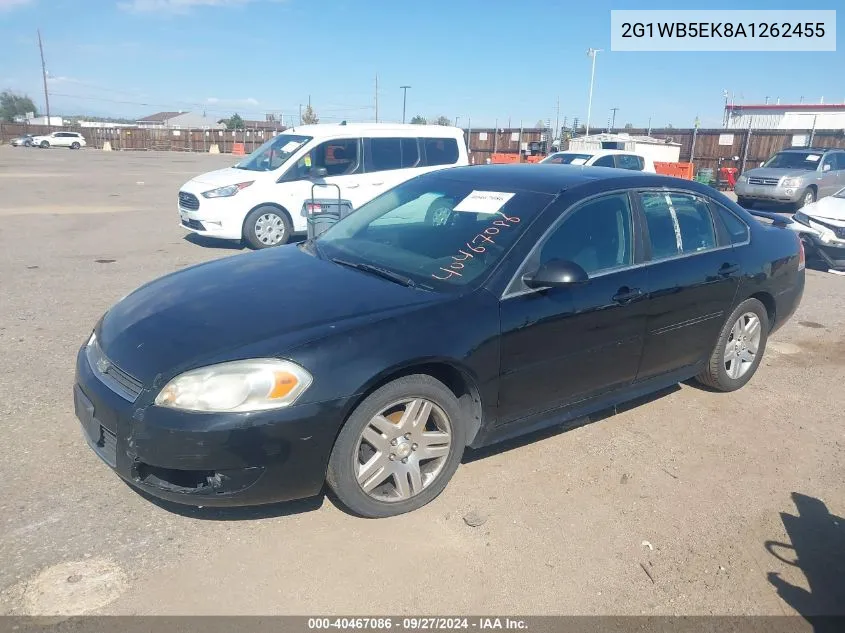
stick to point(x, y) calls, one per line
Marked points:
point(556, 273)
point(318, 172)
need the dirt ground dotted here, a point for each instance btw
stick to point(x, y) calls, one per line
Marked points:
point(689, 503)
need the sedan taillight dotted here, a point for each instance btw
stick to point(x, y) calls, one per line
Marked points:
point(802, 258)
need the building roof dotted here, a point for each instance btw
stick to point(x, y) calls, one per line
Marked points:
point(623, 137)
point(812, 107)
point(160, 117)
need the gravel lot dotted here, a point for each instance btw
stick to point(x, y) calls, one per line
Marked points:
point(689, 503)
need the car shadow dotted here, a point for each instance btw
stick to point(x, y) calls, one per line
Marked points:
point(818, 550)
point(472, 455)
point(236, 513)
point(213, 242)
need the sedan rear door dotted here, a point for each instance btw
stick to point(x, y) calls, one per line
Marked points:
point(692, 280)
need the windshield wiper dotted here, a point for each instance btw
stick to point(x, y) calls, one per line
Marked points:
point(377, 270)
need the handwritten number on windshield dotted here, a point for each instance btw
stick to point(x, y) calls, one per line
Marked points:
point(476, 245)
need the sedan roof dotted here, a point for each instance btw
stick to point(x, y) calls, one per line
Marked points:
point(554, 178)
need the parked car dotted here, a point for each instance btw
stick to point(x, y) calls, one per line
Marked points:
point(794, 176)
point(617, 158)
point(22, 141)
point(73, 140)
point(371, 356)
point(262, 199)
point(821, 225)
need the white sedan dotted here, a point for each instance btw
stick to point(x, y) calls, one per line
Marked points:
point(617, 158)
point(73, 140)
point(821, 226)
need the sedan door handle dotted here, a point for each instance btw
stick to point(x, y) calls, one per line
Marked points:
point(381, 182)
point(626, 295)
point(728, 269)
point(355, 186)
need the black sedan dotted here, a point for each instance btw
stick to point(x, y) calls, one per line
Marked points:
point(460, 308)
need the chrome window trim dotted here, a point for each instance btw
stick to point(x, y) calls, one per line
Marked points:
point(635, 190)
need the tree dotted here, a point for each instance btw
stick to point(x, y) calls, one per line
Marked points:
point(309, 117)
point(419, 120)
point(13, 105)
point(234, 122)
point(442, 120)
point(540, 125)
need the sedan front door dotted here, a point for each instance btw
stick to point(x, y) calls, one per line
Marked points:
point(561, 346)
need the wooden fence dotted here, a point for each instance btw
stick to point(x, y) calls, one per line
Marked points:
point(704, 148)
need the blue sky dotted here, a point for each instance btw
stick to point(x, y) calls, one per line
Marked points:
point(485, 59)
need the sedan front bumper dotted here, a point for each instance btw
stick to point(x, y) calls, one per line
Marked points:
point(824, 241)
point(234, 459)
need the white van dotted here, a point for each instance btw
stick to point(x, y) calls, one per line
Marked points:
point(262, 198)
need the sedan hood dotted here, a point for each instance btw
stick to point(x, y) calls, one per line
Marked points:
point(829, 208)
point(769, 172)
point(259, 304)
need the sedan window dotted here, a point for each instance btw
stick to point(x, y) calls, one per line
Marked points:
point(629, 161)
point(677, 224)
point(604, 161)
point(596, 236)
point(440, 232)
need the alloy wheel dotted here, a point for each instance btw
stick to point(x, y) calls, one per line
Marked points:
point(742, 345)
point(269, 228)
point(402, 450)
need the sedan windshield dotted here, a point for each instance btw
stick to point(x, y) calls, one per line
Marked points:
point(274, 153)
point(794, 160)
point(566, 158)
point(438, 232)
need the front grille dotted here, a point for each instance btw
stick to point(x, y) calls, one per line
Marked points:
point(106, 446)
point(124, 385)
point(193, 224)
point(188, 201)
point(769, 182)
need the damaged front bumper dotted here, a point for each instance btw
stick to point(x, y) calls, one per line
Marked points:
point(821, 237)
point(232, 459)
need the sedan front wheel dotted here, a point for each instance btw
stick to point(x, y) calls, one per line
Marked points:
point(398, 449)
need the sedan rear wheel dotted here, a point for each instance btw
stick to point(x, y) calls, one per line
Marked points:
point(740, 348)
point(75, 145)
point(398, 449)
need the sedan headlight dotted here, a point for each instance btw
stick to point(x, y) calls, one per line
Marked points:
point(227, 191)
point(801, 218)
point(789, 182)
point(243, 385)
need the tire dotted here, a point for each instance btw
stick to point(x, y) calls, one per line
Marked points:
point(717, 375)
point(75, 145)
point(745, 203)
point(45, 145)
point(439, 212)
point(808, 196)
point(267, 226)
point(386, 497)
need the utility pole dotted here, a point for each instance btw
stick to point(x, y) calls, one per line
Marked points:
point(376, 98)
point(557, 119)
point(404, 100)
point(591, 52)
point(300, 114)
point(44, 76)
point(649, 127)
point(613, 122)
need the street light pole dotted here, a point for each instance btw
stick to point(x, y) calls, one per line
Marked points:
point(591, 52)
point(404, 100)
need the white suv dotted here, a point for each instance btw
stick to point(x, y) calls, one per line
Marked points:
point(73, 140)
point(262, 199)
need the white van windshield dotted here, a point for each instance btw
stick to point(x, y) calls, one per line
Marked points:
point(274, 153)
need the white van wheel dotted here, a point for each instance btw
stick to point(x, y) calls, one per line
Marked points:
point(267, 226)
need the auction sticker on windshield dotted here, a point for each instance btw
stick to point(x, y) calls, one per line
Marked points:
point(484, 202)
point(813, 157)
point(290, 146)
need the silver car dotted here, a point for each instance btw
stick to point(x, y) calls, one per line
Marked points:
point(22, 141)
point(793, 176)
